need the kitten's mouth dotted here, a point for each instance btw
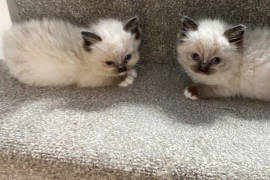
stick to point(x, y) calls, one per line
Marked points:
point(122, 73)
point(202, 73)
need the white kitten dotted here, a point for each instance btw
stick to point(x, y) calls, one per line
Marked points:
point(57, 53)
point(223, 62)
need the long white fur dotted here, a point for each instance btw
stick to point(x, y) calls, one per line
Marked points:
point(50, 52)
point(248, 73)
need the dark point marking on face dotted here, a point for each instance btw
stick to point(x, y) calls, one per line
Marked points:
point(89, 38)
point(203, 68)
point(122, 69)
point(132, 26)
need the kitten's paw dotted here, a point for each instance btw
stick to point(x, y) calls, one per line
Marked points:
point(131, 75)
point(190, 94)
point(129, 80)
point(123, 84)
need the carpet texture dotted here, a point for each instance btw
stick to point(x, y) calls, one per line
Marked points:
point(160, 19)
point(146, 131)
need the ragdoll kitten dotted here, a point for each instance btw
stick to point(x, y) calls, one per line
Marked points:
point(223, 62)
point(57, 53)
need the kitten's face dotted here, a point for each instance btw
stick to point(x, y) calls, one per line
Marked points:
point(116, 49)
point(207, 50)
point(206, 57)
point(116, 58)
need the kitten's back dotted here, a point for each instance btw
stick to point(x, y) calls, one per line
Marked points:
point(257, 41)
point(49, 34)
point(255, 69)
point(36, 49)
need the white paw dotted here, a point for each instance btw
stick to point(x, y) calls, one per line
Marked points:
point(131, 75)
point(123, 84)
point(129, 80)
point(189, 95)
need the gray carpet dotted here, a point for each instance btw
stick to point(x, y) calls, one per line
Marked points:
point(148, 130)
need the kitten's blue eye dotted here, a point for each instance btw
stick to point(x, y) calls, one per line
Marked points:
point(128, 57)
point(216, 60)
point(195, 56)
point(109, 63)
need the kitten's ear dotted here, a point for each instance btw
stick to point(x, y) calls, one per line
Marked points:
point(90, 38)
point(132, 26)
point(235, 34)
point(189, 25)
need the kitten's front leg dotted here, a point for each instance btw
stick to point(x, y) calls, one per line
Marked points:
point(200, 91)
point(131, 75)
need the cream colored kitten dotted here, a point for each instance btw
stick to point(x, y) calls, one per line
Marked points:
point(223, 62)
point(57, 53)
